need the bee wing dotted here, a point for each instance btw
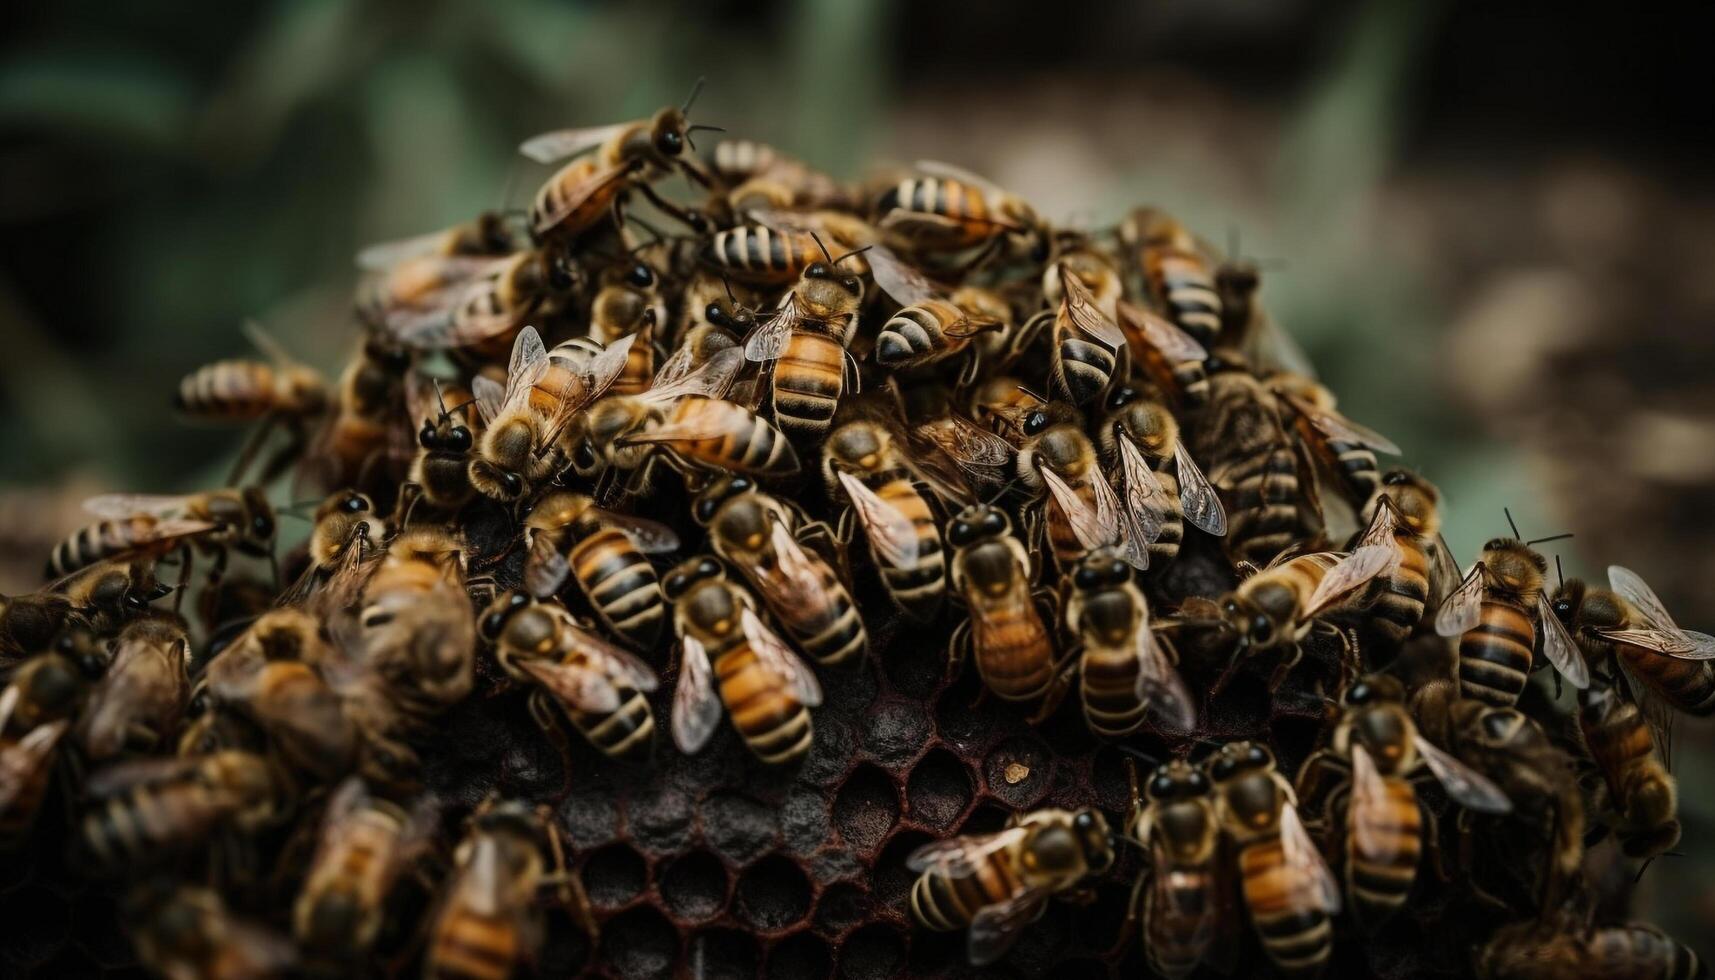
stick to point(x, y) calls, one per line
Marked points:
point(1111, 512)
point(768, 341)
point(575, 684)
point(529, 360)
point(676, 366)
point(1472, 789)
point(1382, 525)
point(774, 654)
point(891, 533)
point(1198, 500)
point(996, 927)
point(1443, 570)
point(650, 537)
point(1092, 528)
point(696, 708)
point(615, 661)
point(1372, 831)
point(383, 255)
point(559, 144)
point(1078, 308)
point(948, 171)
point(1338, 428)
point(589, 187)
point(351, 570)
point(118, 506)
point(545, 568)
point(901, 282)
point(967, 443)
point(1558, 647)
point(118, 777)
point(961, 857)
point(1300, 852)
point(1162, 334)
point(1146, 500)
point(799, 582)
point(490, 396)
point(1463, 609)
point(1678, 644)
point(1351, 572)
point(596, 375)
point(1159, 686)
point(712, 379)
point(1631, 587)
point(21, 761)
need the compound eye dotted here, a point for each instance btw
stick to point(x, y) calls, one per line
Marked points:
point(1162, 787)
point(1261, 627)
point(675, 584)
point(1086, 577)
point(426, 436)
point(641, 276)
point(262, 526)
point(1083, 821)
point(960, 533)
point(492, 624)
point(1256, 755)
point(994, 522)
point(1035, 422)
point(1361, 693)
point(1563, 608)
point(818, 270)
point(1197, 782)
point(458, 439)
point(708, 568)
point(584, 458)
point(715, 315)
point(852, 285)
point(1395, 478)
point(1122, 396)
point(133, 602)
point(1223, 768)
point(1118, 573)
point(706, 510)
point(511, 484)
point(670, 142)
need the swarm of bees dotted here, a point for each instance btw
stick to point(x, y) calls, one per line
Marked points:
point(1051, 527)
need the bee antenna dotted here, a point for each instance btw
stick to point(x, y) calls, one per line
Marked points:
point(855, 251)
point(1552, 537)
point(1002, 491)
point(654, 233)
point(728, 284)
point(1558, 573)
point(701, 128)
point(1140, 754)
point(823, 247)
point(440, 397)
point(461, 406)
point(696, 90)
point(1508, 511)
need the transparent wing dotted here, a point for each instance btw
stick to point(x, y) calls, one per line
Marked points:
point(1472, 789)
point(1383, 524)
point(614, 661)
point(587, 188)
point(902, 283)
point(676, 366)
point(774, 654)
point(650, 537)
point(1443, 570)
point(118, 506)
point(1558, 647)
point(891, 533)
point(1198, 500)
point(1078, 308)
point(1632, 588)
point(1338, 428)
point(768, 341)
point(1369, 817)
point(1087, 525)
point(1463, 609)
point(1172, 343)
point(490, 396)
point(529, 361)
point(711, 379)
point(961, 857)
point(383, 255)
point(968, 443)
point(1300, 853)
point(1111, 512)
point(1678, 644)
point(696, 708)
point(997, 927)
point(1159, 686)
point(1351, 572)
point(559, 144)
point(948, 171)
point(1146, 500)
point(575, 684)
point(22, 761)
point(545, 568)
point(798, 584)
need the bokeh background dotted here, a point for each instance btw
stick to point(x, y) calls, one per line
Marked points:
point(1490, 224)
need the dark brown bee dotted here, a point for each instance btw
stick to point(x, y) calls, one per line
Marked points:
point(1125, 676)
point(1629, 624)
point(630, 303)
point(353, 442)
point(441, 468)
point(1176, 822)
point(866, 469)
point(365, 843)
point(148, 809)
point(107, 595)
point(137, 704)
point(1345, 447)
point(1425, 572)
point(150, 526)
point(30, 622)
point(37, 708)
point(415, 629)
point(345, 536)
point(278, 391)
point(1632, 759)
point(1500, 613)
point(1563, 948)
point(1176, 272)
point(996, 884)
point(807, 340)
point(1079, 511)
point(1004, 633)
point(1166, 354)
point(184, 931)
point(607, 554)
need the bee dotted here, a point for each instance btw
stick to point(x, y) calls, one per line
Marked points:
point(600, 687)
point(1379, 752)
point(342, 540)
point(1005, 632)
point(1628, 623)
point(1500, 612)
point(950, 210)
point(1080, 512)
point(487, 923)
point(37, 707)
point(630, 302)
point(138, 702)
point(365, 842)
point(1347, 448)
point(607, 554)
point(151, 526)
point(489, 233)
point(761, 177)
point(759, 254)
point(1126, 678)
point(1289, 891)
point(1161, 485)
point(1257, 467)
point(931, 328)
point(278, 391)
point(711, 318)
point(1632, 760)
point(526, 419)
point(1563, 948)
point(762, 538)
point(146, 809)
point(737, 160)
point(1425, 571)
point(1168, 355)
point(185, 932)
point(440, 471)
point(766, 688)
point(106, 595)
point(1278, 607)
point(1088, 346)
point(807, 339)
point(1176, 823)
point(30, 622)
point(1176, 272)
point(351, 444)
point(996, 884)
point(416, 629)
point(625, 156)
point(864, 465)
point(1003, 403)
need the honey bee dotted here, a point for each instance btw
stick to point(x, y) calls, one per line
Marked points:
point(766, 688)
point(278, 391)
point(1629, 624)
point(737, 160)
point(1278, 607)
point(864, 465)
point(607, 554)
point(351, 444)
point(1176, 823)
point(488, 922)
point(1080, 512)
point(758, 254)
point(1086, 355)
point(106, 595)
point(807, 339)
point(341, 543)
point(956, 455)
point(488, 234)
point(416, 630)
point(950, 210)
point(1347, 448)
point(711, 319)
point(151, 526)
point(1500, 612)
point(488, 306)
point(1289, 891)
point(138, 702)
point(1126, 677)
point(761, 177)
point(931, 327)
point(600, 687)
point(997, 884)
point(30, 622)
point(147, 809)
point(1553, 949)
point(1425, 572)
point(185, 932)
point(625, 156)
point(1003, 403)
point(365, 842)
point(1632, 759)
point(440, 471)
point(1167, 354)
point(37, 707)
point(1378, 751)
point(1176, 272)
point(1005, 632)
point(763, 539)
point(629, 302)
point(1161, 486)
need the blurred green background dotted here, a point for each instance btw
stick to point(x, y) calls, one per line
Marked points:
point(1492, 222)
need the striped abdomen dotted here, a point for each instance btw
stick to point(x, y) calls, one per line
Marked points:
point(1357, 465)
point(944, 904)
point(1165, 547)
point(228, 391)
point(1397, 599)
point(469, 946)
point(1689, 685)
point(734, 160)
point(133, 827)
point(1495, 655)
point(808, 380)
point(917, 335)
point(1262, 498)
point(1284, 908)
point(774, 724)
point(99, 542)
point(832, 632)
point(1377, 883)
point(1178, 934)
point(1108, 683)
point(940, 199)
point(1013, 649)
point(760, 255)
point(627, 732)
point(1068, 549)
point(746, 443)
point(1184, 287)
point(1082, 368)
point(572, 183)
point(1641, 950)
point(919, 587)
point(621, 584)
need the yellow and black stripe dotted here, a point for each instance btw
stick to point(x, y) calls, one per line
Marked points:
point(621, 585)
point(1495, 655)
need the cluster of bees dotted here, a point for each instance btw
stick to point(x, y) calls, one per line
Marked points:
point(1014, 428)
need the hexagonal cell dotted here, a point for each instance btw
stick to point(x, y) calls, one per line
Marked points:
point(724, 953)
point(800, 956)
point(960, 717)
point(639, 942)
point(613, 875)
point(772, 894)
point(874, 952)
point(804, 820)
point(590, 815)
point(738, 827)
point(1019, 770)
point(891, 882)
point(866, 808)
point(659, 818)
point(840, 907)
point(897, 731)
point(939, 789)
point(694, 886)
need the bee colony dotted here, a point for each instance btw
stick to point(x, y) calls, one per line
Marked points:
point(798, 577)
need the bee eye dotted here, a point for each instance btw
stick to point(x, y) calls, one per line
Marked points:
point(426, 436)
point(1361, 693)
point(492, 623)
point(518, 599)
point(705, 510)
point(1395, 478)
point(852, 284)
point(1162, 787)
point(1261, 628)
point(1122, 396)
point(1257, 756)
point(1223, 768)
point(994, 522)
point(1196, 782)
point(511, 484)
point(1494, 544)
point(960, 533)
point(1118, 573)
point(1084, 821)
point(262, 526)
point(458, 439)
point(817, 270)
point(708, 568)
point(1086, 577)
point(670, 142)
point(675, 584)
point(715, 315)
point(354, 504)
point(641, 276)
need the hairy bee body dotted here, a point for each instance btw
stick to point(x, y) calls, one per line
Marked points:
point(1176, 272)
point(357, 430)
point(100, 541)
point(341, 905)
point(577, 196)
point(1587, 610)
point(1640, 790)
point(1012, 647)
point(1398, 598)
point(808, 380)
point(739, 440)
point(244, 390)
point(1108, 673)
point(927, 333)
point(621, 584)
point(945, 214)
point(945, 904)
point(1495, 657)
point(233, 518)
point(866, 452)
point(136, 825)
point(488, 924)
point(1253, 465)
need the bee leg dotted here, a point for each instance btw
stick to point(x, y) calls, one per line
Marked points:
point(566, 882)
point(544, 715)
point(1128, 928)
point(1288, 661)
point(1310, 775)
point(252, 444)
point(1057, 687)
point(1467, 858)
point(1432, 840)
point(668, 208)
point(185, 562)
point(957, 647)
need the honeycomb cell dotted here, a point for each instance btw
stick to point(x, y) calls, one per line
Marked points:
point(659, 817)
point(1019, 770)
point(897, 732)
point(939, 789)
point(639, 942)
point(724, 954)
point(694, 886)
point(866, 808)
point(738, 827)
point(804, 820)
point(840, 907)
point(800, 956)
point(874, 952)
point(613, 875)
point(590, 816)
point(831, 747)
point(772, 894)
point(964, 720)
point(892, 881)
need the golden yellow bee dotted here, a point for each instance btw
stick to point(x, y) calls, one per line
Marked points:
point(139, 701)
point(1005, 633)
point(807, 341)
point(1175, 821)
point(607, 554)
point(865, 468)
point(366, 841)
point(1126, 678)
point(1629, 624)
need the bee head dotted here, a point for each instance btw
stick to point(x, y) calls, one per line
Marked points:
point(976, 523)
